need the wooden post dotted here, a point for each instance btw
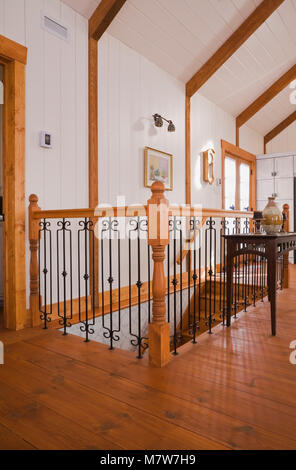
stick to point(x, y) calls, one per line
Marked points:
point(286, 227)
point(34, 240)
point(158, 239)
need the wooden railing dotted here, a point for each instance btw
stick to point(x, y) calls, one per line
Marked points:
point(159, 217)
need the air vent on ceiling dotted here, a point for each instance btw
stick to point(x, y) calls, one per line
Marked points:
point(54, 27)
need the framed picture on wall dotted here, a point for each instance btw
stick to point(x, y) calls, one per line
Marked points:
point(158, 167)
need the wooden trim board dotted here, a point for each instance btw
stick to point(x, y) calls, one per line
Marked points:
point(13, 58)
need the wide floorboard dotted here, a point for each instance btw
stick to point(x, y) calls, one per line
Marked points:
point(234, 389)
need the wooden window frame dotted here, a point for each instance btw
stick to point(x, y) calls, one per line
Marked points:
point(240, 155)
point(13, 57)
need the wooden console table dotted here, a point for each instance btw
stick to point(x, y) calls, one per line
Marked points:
point(267, 246)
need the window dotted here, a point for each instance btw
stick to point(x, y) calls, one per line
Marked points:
point(230, 183)
point(244, 186)
point(238, 178)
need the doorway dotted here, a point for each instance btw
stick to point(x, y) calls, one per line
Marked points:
point(13, 58)
point(238, 178)
point(1, 197)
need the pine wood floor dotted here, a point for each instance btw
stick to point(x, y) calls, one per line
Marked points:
point(232, 390)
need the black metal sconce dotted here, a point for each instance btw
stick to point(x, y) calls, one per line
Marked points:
point(158, 122)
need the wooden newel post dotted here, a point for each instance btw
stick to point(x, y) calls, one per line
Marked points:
point(286, 227)
point(34, 240)
point(158, 239)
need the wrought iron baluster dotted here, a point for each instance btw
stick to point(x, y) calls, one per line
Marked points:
point(168, 280)
point(149, 284)
point(140, 342)
point(45, 313)
point(225, 230)
point(211, 232)
point(189, 281)
point(172, 224)
point(65, 320)
point(181, 280)
point(194, 224)
point(110, 227)
point(84, 234)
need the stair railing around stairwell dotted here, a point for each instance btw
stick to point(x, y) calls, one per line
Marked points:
point(206, 252)
point(108, 299)
point(197, 253)
point(109, 291)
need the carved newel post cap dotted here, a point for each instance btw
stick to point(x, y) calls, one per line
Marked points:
point(157, 187)
point(33, 198)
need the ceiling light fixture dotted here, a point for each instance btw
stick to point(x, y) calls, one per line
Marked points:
point(158, 122)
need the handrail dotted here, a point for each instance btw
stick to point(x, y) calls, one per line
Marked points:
point(136, 210)
point(126, 211)
point(204, 212)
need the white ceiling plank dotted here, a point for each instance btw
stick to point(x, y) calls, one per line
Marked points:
point(168, 23)
point(130, 37)
point(288, 14)
point(154, 35)
point(246, 8)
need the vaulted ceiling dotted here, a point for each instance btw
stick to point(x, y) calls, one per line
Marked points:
point(181, 35)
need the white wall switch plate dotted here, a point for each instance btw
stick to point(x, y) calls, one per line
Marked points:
point(45, 139)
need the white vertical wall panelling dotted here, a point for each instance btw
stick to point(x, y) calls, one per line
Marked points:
point(35, 98)
point(14, 20)
point(129, 94)
point(114, 115)
point(56, 100)
point(52, 112)
point(81, 117)
point(205, 134)
point(251, 140)
point(56, 87)
point(68, 110)
point(210, 124)
point(284, 142)
point(2, 15)
point(103, 107)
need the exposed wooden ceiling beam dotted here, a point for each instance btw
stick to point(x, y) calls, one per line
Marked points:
point(247, 28)
point(267, 96)
point(103, 17)
point(280, 127)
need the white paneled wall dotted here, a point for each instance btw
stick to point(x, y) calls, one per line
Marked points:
point(131, 90)
point(284, 142)
point(251, 140)
point(56, 99)
point(210, 124)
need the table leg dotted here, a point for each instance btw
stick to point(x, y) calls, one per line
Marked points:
point(271, 280)
point(230, 250)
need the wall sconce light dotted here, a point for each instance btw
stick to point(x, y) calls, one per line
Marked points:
point(158, 122)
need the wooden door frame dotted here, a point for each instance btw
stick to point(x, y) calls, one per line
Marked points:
point(236, 152)
point(13, 57)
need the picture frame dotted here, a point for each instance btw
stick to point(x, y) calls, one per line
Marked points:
point(158, 167)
